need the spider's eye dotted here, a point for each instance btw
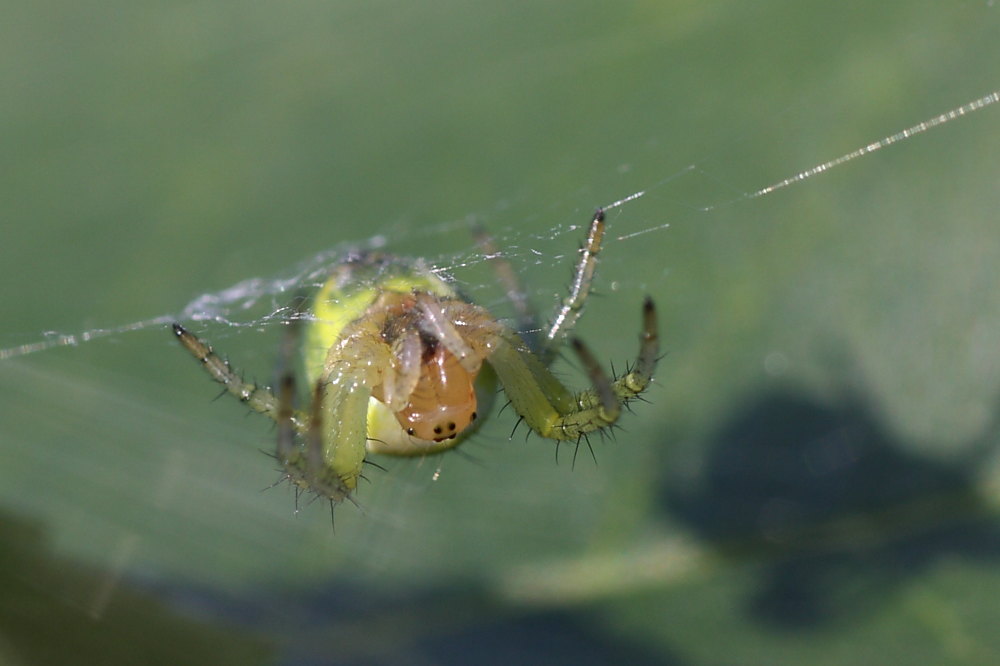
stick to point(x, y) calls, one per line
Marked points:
point(443, 402)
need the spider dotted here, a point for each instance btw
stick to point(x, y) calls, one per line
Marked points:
point(400, 364)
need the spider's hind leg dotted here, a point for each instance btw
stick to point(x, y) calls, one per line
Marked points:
point(285, 372)
point(527, 319)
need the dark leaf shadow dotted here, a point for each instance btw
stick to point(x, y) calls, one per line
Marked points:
point(48, 615)
point(57, 611)
point(345, 623)
point(832, 505)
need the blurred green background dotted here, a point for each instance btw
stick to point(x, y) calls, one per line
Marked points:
point(814, 479)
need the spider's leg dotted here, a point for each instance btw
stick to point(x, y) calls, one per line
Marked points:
point(314, 437)
point(602, 387)
point(285, 418)
point(258, 398)
point(608, 396)
point(286, 424)
point(546, 405)
point(527, 318)
point(337, 436)
point(583, 279)
point(649, 346)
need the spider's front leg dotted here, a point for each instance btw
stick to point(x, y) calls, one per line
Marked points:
point(601, 405)
point(548, 407)
point(336, 440)
point(258, 398)
point(321, 450)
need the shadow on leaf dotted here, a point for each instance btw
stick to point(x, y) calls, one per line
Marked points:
point(830, 503)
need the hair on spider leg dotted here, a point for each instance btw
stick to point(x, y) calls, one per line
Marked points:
point(586, 438)
point(333, 506)
point(505, 406)
point(283, 478)
point(514, 429)
point(527, 434)
point(312, 497)
point(374, 464)
point(661, 357)
point(593, 456)
point(354, 501)
point(604, 432)
point(576, 450)
point(611, 432)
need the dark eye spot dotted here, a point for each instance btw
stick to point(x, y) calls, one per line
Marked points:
point(451, 425)
point(437, 430)
point(474, 415)
point(410, 431)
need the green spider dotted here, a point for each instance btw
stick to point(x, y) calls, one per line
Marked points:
point(400, 364)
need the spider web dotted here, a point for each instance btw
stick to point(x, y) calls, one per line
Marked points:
point(260, 304)
point(101, 411)
point(249, 307)
point(234, 306)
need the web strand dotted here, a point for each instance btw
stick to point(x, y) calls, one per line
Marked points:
point(216, 306)
point(884, 142)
